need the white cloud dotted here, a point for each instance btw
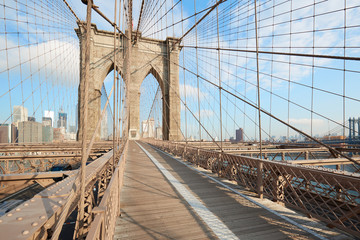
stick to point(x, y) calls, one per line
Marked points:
point(58, 60)
point(191, 92)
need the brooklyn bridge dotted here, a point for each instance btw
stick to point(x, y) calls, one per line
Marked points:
point(179, 119)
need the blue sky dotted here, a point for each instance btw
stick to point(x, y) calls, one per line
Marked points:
point(319, 89)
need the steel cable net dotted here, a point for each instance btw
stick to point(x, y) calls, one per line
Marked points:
point(286, 69)
point(39, 71)
point(308, 58)
point(265, 67)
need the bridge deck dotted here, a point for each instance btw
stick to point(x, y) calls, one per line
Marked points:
point(154, 207)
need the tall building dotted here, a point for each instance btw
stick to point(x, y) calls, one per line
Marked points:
point(50, 114)
point(62, 122)
point(47, 134)
point(148, 128)
point(8, 133)
point(5, 134)
point(47, 130)
point(29, 132)
point(239, 135)
point(20, 114)
point(47, 121)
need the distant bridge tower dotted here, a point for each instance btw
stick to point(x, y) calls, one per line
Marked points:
point(352, 128)
point(148, 56)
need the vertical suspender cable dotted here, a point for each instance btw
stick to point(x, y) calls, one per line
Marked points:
point(289, 85)
point(197, 73)
point(246, 64)
point(312, 72)
point(219, 62)
point(259, 167)
point(172, 11)
point(115, 93)
point(344, 74)
point(258, 78)
point(183, 53)
point(84, 106)
point(7, 62)
point(118, 87)
point(272, 67)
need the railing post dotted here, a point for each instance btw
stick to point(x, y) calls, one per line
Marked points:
point(198, 156)
point(278, 188)
point(219, 165)
point(260, 182)
point(184, 152)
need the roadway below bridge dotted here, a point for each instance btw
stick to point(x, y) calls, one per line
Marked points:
point(166, 198)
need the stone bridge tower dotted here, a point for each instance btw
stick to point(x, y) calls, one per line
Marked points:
point(148, 56)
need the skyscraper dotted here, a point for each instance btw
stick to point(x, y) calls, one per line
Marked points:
point(47, 121)
point(148, 128)
point(50, 114)
point(8, 133)
point(30, 132)
point(239, 135)
point(47, 130)
point(62, 122)
point(20, 114)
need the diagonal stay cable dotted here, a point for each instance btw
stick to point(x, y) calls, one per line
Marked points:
point(331, 149)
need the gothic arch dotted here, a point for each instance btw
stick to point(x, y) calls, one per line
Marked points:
point(148, 56)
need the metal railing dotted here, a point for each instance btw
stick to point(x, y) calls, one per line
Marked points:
point(41, 157)
point(104, 221)
point(329, 195)
point(41, 214)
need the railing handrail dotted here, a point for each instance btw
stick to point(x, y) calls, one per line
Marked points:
point(98, 229)
point(306, 188)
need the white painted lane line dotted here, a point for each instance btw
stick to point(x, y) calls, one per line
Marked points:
point(213, 222)
point(249, 199)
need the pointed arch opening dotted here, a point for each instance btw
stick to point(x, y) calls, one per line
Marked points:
point(106, 130)
point(151, 105)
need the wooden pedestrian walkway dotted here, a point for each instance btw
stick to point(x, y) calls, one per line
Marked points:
point(164, 199)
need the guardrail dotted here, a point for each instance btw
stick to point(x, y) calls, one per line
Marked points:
point(37, 218)
point(329, 195)
point(109, 208)
point(41, 159)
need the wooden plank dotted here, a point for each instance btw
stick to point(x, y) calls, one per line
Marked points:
point(150, 206)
